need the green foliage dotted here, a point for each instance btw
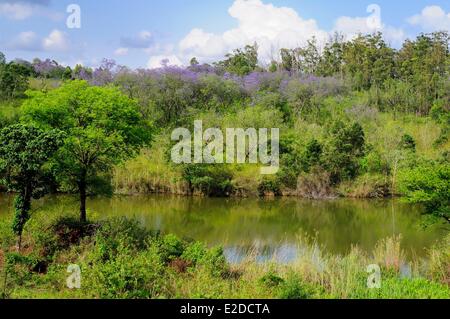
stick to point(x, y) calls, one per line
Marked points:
point(346, 147)
point(424, 63)
point(396, 288)
point(24, 154)
point(408, 143)
point(271, 279)
point(13, 80)
point(103, 127)
point(368, 60)
point(241, 62)
point(428, 185)
point(210, 180)
point(294, 288)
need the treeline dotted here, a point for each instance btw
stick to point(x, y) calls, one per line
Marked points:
point(414, 76)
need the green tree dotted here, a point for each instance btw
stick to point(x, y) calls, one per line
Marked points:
point(331, 61)
point(241, 62)
point(13, 80)
point(103, 128)
point(24, 156)
point(368, 60)
point(428, 185)
point(425, 64)
point(346, 147)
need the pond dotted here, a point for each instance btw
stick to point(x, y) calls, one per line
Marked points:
point(269, 228)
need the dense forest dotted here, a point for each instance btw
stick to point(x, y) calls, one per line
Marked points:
point(357, 118)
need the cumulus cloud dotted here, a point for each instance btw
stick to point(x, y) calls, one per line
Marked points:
point(56, 41)
point(271, 27)
point(158, 61)
point(29, 41)
point(432, 18)
point(350, 27)
point(274, 28)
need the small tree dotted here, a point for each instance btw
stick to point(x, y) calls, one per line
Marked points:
point(13, 80)
point(24, 154)
point(103, 128)
point(428, 185)
point(346, 147)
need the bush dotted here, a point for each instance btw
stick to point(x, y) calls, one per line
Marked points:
point(271, 280)
point(126, 275)
point(170, 247)
point(120, 231)
point(428, 185)
point(210, 180)
point(293, 288)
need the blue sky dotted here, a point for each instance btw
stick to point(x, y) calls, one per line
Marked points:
point(140, 33)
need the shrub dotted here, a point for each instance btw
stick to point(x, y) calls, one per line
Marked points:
point(428, 185)
point(171, 247)
point(271, 279)
point(293, 288)
point(126, 275)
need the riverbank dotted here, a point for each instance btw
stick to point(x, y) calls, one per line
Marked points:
point(120, 259)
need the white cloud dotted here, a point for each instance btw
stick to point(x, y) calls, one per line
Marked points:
point(56, 41)
point(274, 28)
point(432, 18)
point(142, 40)
point(158, 61)
point(352, 26)
point(24, 9)
point(271, 27)
point(16, 11)
point(121, 51)
point(27, 41)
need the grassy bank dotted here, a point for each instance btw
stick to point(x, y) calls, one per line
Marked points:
point(120, 259)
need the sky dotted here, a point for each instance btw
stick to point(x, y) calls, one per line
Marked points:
point(142, 33)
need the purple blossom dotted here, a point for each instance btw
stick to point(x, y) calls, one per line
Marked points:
point(46, 68)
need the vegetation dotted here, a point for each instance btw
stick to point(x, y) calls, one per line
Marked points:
point(24, 153)
point(102, 127)
point(358, 119)
point(120, 259)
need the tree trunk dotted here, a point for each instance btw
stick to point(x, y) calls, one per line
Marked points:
point(83, 196)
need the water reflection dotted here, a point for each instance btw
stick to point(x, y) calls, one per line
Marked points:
point(268, 229)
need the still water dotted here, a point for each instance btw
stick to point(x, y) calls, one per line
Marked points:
point(270, 228)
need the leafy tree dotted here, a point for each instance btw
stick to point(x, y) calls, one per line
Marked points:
point(312, 155)
point(424, 64)
point(103, 128)
point(2, 58)
point(428, 185)
point(24, 155)
point(13, 80)
point(241, 62)
point(194, 62)
point(331, 61)
point(346, 147)
point(368, 60)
